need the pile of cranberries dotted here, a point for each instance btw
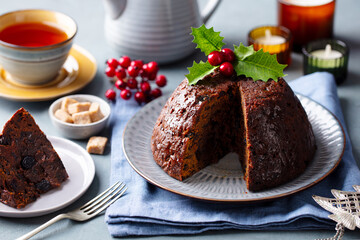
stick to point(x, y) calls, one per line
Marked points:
point(224, 59)
point(134, 77)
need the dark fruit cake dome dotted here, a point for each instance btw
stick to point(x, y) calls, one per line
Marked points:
point(211, 114)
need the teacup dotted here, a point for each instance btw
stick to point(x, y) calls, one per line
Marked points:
point(28, 59)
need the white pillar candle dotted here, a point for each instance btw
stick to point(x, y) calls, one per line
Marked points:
point(270, 39)
point(327, 58)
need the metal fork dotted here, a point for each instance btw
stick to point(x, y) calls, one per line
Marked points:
point(87, 211)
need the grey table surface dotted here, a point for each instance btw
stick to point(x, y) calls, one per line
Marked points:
point(234, 18)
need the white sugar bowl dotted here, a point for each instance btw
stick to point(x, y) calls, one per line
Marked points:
point(80, 131)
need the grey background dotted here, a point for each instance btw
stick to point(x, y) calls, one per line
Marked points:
point(234, 18)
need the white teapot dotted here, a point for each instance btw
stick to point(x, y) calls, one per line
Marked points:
point(154, 30)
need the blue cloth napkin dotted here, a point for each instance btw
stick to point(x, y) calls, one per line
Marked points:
point(149, 210)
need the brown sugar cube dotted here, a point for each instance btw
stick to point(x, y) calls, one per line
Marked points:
point(96, 145)
point(95, 112)
point(66, 102)
point(81, 118)
point(63, 116)
point(78, 107)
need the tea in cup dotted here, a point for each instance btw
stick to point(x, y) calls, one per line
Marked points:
point(34, 44)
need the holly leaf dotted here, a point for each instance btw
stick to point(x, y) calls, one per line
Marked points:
point(207, 40)
point(198, 71)
point(259, 65)
point(241, 52)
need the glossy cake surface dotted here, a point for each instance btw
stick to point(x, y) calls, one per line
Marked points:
point(29, 165)
point(263, 122)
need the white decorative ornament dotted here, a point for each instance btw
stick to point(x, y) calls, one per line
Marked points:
point(345, 208)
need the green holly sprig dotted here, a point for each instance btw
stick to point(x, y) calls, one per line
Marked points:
point(258, 65)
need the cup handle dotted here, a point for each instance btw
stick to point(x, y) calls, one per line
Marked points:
point(209, 9)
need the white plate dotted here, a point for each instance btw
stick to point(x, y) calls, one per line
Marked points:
point(81, 170)
point(223, 182)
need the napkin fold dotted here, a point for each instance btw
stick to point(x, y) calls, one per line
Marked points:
point(149, 210)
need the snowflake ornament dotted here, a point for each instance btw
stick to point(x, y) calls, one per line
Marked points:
point(345, 209)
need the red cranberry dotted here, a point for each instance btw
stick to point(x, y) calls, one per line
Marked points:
point(110, 72)
point(145, 87)
point(155, 93)
point(120, 73)
point(215, 58)
point(125, 94)
point(145, 68)
point(124, 61)
point(161, 80)
point(152, 67)
point(152, 76)
point(112, 62)
point(133, 71)
point(229, 55)
point(120, 84)
point(110, 94)
point(132, 83)
point(139, 97)
point(143, 73)
point(226, 69)
point(138, 63)
point(148, 97)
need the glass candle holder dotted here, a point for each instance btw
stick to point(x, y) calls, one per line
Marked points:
point(307, 20)
point(327, 55)
point(273, 39)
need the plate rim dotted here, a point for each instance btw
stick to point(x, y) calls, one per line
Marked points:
point(252, 200)
point(72, 199)
point(75, 50)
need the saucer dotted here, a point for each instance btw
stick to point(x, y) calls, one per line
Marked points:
point(78, 70)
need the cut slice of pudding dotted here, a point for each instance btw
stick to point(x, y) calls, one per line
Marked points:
point(29, 165)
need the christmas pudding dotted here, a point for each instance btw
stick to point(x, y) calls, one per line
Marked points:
point(262, 121)
point(29, 165)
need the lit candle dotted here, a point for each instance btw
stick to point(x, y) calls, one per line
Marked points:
point(327, 55)
point(272, 39)
point(307, 20)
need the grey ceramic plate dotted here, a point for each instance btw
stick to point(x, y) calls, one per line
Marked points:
point(223, 182)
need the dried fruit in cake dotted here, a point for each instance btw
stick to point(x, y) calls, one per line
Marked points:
point(29, 165)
